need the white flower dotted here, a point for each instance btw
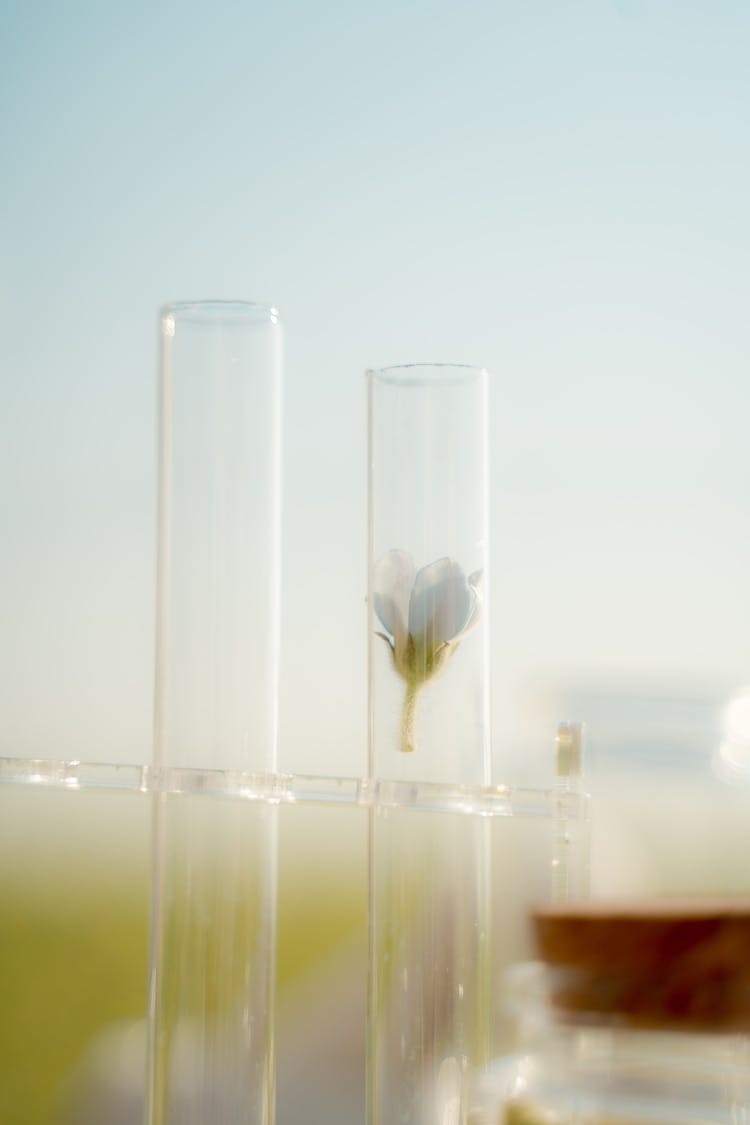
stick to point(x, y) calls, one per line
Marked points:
point(425, 613)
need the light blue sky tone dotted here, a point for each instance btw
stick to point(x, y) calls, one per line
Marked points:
point(554, 189)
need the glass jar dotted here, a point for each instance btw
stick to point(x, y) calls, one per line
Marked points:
point(637, 1015)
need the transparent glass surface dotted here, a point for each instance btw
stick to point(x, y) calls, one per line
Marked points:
point(428, 574)
point(451, 887)
point(212, 979)
point(219, 527)
point(430, 970)
point(214, 940)
point(75, 1010)
point(600, 1076)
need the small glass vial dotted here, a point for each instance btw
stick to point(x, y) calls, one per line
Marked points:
point(642, 1017)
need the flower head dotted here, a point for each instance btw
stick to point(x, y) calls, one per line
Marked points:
point(424, 613)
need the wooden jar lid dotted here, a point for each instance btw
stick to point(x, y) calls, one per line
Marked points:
point(665, 963)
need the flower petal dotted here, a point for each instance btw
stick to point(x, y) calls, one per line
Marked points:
point(475, 579)
point(476, 609)
point(392, 580)
point(441, 604)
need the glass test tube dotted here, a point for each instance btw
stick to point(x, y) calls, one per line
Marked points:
point(428, 723)
point(428, 581)
point(214, 916)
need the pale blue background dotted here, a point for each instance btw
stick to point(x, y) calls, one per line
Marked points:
point(556, 189)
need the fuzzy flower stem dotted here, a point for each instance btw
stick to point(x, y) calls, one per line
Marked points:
point(408, 716)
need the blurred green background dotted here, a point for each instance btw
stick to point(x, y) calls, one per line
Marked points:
point(74, 931)
point(74, 921)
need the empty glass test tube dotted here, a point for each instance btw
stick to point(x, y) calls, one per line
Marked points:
point(214, 915)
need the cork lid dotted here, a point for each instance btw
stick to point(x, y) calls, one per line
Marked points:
point(665, 963)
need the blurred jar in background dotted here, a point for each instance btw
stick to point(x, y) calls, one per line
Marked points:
point(638, 1014)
